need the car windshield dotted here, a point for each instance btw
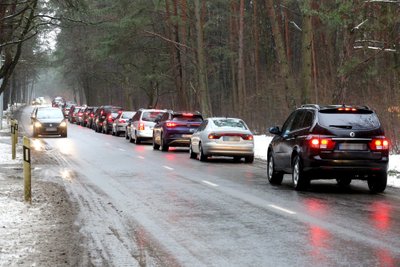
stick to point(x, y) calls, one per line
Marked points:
point(50, 114)
point(150, 115)
point(193, 118)
point(355, 121)
point(127, 115)
point(232, 123)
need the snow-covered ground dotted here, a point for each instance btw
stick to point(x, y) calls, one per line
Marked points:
point(261, 144)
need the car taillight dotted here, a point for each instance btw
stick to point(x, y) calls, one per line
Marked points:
point(347, 109)
point(317, 142)
point(91, 115)
point(187, 114)
point(80, 114)
point(110, 118)
point(171, 124)
point(141, 126)
point(379, 144)
point(247, 137)
point(214, 136)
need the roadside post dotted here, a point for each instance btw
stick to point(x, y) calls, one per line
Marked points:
point(27, 169)
point(13, 143)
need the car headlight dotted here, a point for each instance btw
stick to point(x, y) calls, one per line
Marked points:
point(63, 124)
point(38, 124)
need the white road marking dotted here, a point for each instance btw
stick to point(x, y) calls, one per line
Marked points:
point(140, 157)
point(120, 149)
point(209, 183)
point(168, 168)
point(282, 209)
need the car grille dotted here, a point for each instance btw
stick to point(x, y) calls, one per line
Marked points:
point(51, 125)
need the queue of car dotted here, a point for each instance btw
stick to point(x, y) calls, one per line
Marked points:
point(316, 142)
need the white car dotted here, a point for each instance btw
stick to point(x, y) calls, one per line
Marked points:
point(142, 124)
point(121, 121)
point(222, 136)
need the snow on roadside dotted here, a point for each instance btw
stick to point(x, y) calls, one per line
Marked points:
point(261, 143)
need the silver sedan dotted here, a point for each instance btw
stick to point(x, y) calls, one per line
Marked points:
point(222, 137)
point(121, 121)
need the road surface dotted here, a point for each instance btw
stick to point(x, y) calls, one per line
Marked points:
point(140, 207)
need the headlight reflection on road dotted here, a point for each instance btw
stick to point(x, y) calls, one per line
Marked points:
point(37, 145)
point(66, 146)
point(67, 174)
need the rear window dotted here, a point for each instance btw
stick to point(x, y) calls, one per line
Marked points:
point(151, 115)
point(127, 115)
point(359, 120)
point(230, 123)
point(194, 118)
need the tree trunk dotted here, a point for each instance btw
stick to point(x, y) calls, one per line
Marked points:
point(283, 65)
point(241, 71)
point(205, 101)
point(306, 52)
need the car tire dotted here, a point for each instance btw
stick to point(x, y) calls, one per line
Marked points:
point(249, 159)
point(164, 147)
point(126, 135)
point(155, 146)
point(300, 181)
point(137, 140)
point(274, 177)
point(191, 153)
point(112, 132)
point(236, 159)
point(377, 183)
point(202, 156)
point(64, 135)
point(343, 182)
point(131, 139)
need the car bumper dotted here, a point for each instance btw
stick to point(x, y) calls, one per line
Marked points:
point(228, 149)
point(145, 134)
point(318, 168)
point(51, 131)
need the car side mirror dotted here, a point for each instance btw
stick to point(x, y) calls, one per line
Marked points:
point(274, 130)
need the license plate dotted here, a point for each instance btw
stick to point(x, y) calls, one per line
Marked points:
point(186, 135)
point(231, 138)
point(352, 146)
point(51, 129)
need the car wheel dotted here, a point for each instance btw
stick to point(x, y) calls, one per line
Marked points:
point(202, 156)
point(191, 153)
point(164, 147)
point(126, 135)
point(377, 184)
point(112, 132)
point(237, 159)
point(64, 135)
point(155, 146)
point(274, 177)
point(249, 159)
point(137, 140)
point(300, 181)
point(131, 139)
point(343, 182)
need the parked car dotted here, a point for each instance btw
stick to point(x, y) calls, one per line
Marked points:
point(58, 102)
point(80, 116)
point(75, 115)
point(221, 136)
point(121, 121)
point(72, 110)
point(141, 127)
point(330, 142)
point(86, 115)
point(67, 107)
point(175, 129)
point(91, 117)
point(48, 121)
point(104, 118)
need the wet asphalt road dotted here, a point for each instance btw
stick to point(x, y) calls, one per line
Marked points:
point(145, 207)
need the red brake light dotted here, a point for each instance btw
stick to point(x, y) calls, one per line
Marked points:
point(317, 142)
point(247, 137)
point(141, 126)
point(187, 114)
point(80, 114)
point(379, 144)
point(171, 124)
point(214, 136)
point(91, 115)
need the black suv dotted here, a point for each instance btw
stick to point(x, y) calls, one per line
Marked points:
point(330, 142)
point(175, 129)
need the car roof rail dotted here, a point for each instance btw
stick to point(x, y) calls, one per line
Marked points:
point(310, 106)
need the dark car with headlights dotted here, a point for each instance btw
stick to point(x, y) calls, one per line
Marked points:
point(330, 142)
point(174, 129)
point(49, 121)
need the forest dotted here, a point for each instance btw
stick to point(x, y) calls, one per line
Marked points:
point(257, 60)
